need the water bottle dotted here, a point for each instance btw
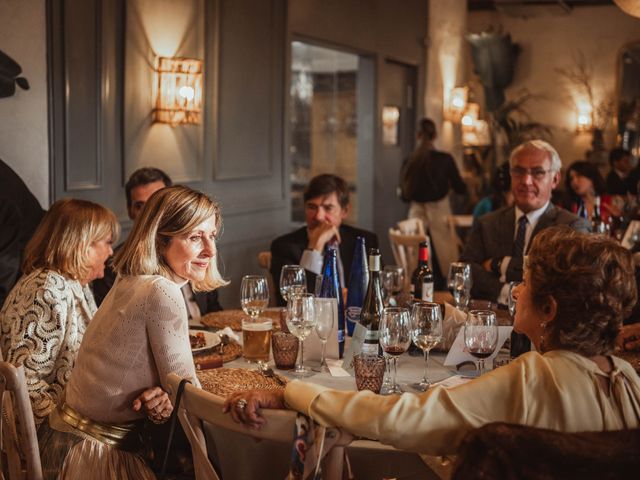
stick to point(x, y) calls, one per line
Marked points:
point(358, 282)
point(331, 288)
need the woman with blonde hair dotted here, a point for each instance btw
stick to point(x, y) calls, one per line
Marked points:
point(45, 316)
point(139, 334)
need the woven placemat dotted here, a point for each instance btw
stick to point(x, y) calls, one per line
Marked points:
point(226, 381)
point(233, 319)
point(230, 352)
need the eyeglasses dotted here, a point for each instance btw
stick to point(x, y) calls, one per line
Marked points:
point(536, 173)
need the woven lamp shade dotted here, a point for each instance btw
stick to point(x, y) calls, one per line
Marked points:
point(632, 7)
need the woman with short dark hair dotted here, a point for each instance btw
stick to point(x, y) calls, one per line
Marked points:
point(577, 289)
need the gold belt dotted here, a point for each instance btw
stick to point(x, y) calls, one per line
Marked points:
point(123, 436)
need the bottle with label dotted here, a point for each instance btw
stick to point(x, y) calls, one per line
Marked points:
point(372, 306)
point(422, 277)
point(358, 282)
point(331, 288)
point(597, 224)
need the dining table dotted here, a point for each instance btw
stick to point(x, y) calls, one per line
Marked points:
point(236, 457)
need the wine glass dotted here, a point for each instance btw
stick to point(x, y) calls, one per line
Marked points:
point(325, 319)
point(301, 320)
point(460, 282)
point(292, 280)
point(511, 300)
point(395, 337)
point(254, 295)
point(392, 283)
point(519, 343)
point(481, 335)
point(426, 333)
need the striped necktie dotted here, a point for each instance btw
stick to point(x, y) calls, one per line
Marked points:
point(518, 244)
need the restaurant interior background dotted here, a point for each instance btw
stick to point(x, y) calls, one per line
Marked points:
point(290, 89)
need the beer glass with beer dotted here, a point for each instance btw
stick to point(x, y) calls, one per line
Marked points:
point(256, 331)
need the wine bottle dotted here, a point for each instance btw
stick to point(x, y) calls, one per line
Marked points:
point(372, 306)
point(331, 288)
point(358, 282)
point(422, 277)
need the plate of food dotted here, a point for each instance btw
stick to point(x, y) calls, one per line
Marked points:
point(202, 340)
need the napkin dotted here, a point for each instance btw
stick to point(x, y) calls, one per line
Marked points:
point(231, 334)
point(457, 354)
point(313, 344)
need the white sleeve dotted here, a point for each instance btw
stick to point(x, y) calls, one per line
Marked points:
point(312, 260)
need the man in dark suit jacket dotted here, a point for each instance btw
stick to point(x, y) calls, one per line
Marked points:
point(20, 214)
point(326, 204)
point(491, 248)
point(143, 183)
point(621, 180)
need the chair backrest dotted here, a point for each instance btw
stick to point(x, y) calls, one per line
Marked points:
point(412, 226)
point(264, 260)
point(197, 405)
point(19, 441)
point(458, 221)
point(405, 251)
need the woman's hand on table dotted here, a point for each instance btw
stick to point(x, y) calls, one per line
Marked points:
point(629, 337)
point(156, 404)
point(244, 407)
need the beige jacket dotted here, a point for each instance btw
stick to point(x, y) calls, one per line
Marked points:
point(557, 390)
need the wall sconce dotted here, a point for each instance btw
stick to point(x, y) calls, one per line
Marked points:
point(471, 115)
point(178, 91)
point(456, 104)
point(584, 120)
point(390, 119)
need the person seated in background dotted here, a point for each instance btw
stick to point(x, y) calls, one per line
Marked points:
point(502, 195)
point(20, 214)
point(143, 183)
point(138, 336)
point(326, 205)
point(577, 289)
point(619, 179)
point(499, 240)
point(583, 183)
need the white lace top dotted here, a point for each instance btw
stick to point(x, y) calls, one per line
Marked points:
point(139, 335)
point(42, 324)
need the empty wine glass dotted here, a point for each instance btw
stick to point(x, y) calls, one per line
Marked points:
point(254, 295)
point(426, 333)
point(325, 309)
point(511, 300)
point(301, 320)
point(481, 335)
point(460, 282)
point(392, 282)
point(395, 337)
point(292, 280)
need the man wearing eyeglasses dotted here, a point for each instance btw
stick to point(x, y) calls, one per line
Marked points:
point(497, 244)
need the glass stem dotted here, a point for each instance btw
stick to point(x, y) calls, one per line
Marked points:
point(480, 366)
point(322, 359)
point(395, 371)
point(301, 354)
point(426, 363)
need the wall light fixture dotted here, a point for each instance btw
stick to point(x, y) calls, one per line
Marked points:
point(178, 91)
point(456, 104)
point(584, 119)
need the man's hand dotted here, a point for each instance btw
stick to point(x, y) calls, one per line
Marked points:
point(487, 265)
point(320, 235)
point(244, 407)
point(629, 337)
point(156, 404)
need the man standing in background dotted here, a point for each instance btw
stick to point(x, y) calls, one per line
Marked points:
point(426, 178)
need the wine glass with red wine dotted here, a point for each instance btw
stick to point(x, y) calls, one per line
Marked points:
point(481, 335)
point(395, 337)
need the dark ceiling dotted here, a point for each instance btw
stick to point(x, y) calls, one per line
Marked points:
point(563, 4)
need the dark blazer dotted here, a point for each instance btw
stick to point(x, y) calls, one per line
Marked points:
point(288, 249)
point(207, 301)
point(493, 236)
point(617, 185)
point(20, 214)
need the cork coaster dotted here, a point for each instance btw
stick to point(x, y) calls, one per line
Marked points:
point(231, 352)
point(233, 319)
point(226, 381)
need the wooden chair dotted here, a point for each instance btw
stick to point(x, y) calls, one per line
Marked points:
point(19, 453)
point(198, 405)
point(405, 251)
point(264, 260)
point(455, 222)
point(412, 226)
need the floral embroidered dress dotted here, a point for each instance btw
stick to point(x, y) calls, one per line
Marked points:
point(42, 323)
